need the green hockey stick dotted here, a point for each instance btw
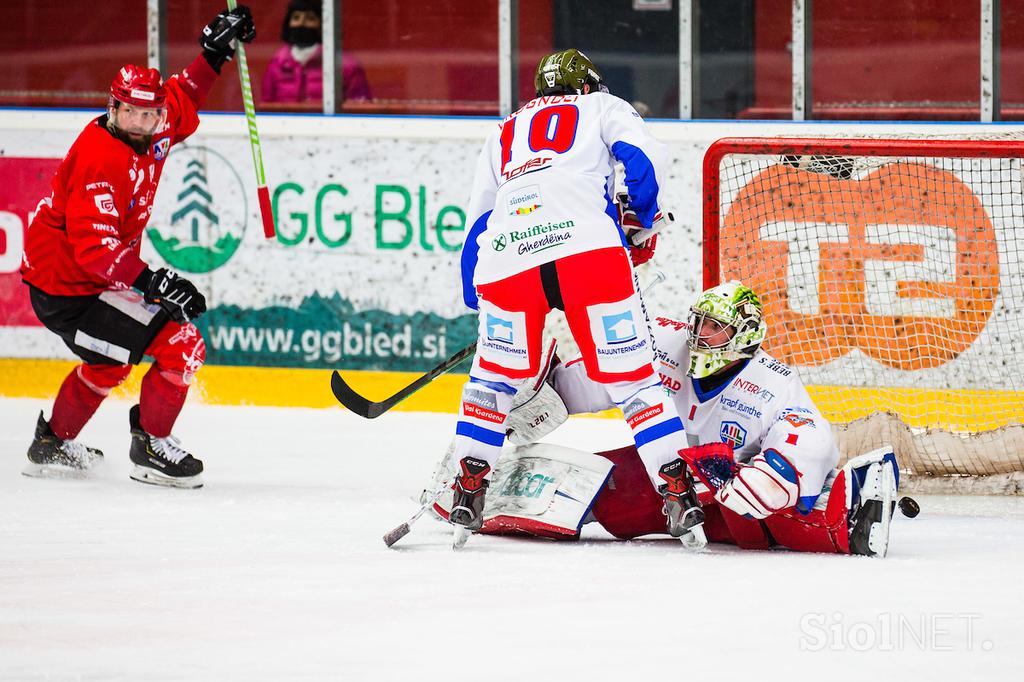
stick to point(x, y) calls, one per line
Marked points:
point(262, 193)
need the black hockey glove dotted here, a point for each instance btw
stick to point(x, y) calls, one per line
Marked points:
point(178, 296)
point(220, 37)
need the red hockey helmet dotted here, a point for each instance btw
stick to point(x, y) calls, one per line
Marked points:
point(138, 86)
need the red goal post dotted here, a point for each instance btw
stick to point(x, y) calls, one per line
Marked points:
point(892, 275)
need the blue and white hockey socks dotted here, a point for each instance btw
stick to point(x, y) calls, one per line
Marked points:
point(480, 431)
point(651, 415)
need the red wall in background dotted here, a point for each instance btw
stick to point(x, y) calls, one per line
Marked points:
point(56, 45)
point(884, 51)
point(445, 51)
point(436, 52)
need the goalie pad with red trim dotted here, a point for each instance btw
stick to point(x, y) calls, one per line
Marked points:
point(539, 490)
point(521, 501)
point(627, 508)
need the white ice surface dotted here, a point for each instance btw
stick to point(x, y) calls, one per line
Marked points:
point(276, 571)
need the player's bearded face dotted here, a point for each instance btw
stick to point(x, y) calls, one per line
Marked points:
point(136, 125)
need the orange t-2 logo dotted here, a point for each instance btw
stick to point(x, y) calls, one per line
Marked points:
point(902, 263)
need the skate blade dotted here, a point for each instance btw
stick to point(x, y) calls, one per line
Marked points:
point(55, 471)
point(147, 475)
point(694, 539)
point(460, 536)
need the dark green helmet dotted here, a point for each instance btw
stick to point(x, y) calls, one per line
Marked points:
point(565, 73)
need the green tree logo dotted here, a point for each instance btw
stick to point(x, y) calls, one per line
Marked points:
point(200, 212)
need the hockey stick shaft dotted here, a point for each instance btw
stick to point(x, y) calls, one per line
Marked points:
point(262, 193)
point(640, 236)
point(370, 409)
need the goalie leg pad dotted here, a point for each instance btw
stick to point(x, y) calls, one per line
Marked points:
point(540, 490)
point(745, 533)
point(873, 481)
point(820, 530)
point(629, 506)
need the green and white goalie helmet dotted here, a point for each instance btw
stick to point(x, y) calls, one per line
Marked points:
point(726, 324)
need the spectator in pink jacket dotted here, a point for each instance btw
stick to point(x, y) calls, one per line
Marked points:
point(295, 73)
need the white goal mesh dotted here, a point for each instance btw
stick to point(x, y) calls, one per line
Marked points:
point(891, 274)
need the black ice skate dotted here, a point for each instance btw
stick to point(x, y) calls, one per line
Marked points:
point(467, 513)
point(51, 457)
point(685, 517)
point(161, 461)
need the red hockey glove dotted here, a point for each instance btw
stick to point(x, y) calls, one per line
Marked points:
point(640, 250)
point(643, 252)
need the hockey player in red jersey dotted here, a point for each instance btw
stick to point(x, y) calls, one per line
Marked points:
point(545, 234)
point(88, 284)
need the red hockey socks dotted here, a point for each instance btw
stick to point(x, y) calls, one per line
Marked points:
point(178, 352)
point(160, 402)
point(81, 394)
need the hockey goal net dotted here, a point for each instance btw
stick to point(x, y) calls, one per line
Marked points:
point(892, 275)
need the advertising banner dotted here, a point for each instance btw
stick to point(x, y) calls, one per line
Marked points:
point(363, 273)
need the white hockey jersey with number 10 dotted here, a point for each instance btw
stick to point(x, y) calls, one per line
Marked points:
point(544, 181)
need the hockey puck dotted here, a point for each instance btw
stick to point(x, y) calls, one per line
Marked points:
point(909, 507)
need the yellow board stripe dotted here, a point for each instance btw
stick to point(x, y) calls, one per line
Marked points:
point(959, 410)
point(224, 385)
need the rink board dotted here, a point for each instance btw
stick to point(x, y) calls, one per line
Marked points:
point(364, 274)
point(266, 386)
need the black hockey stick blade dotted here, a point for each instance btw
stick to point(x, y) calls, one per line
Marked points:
point(397, 534)
point(370, 409)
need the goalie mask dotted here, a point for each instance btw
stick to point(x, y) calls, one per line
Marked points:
point(726, 324)
point(565, 73)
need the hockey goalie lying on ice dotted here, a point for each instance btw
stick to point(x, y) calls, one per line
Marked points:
point(760, 472)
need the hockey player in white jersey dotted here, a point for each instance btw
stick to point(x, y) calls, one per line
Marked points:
point(545, 234)
point(764, 455)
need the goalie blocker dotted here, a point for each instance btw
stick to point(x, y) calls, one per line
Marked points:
point(550, 491)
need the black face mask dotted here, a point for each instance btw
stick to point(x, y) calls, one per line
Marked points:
point(303, 36)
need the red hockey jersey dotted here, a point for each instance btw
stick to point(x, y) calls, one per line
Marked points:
point(85, 237)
